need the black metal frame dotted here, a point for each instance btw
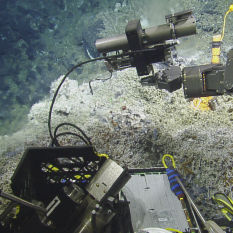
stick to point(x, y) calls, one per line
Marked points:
point(43, 171)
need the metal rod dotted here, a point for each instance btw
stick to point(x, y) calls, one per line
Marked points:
point(154, 35)
point(195, 219)
point(211, 226)
point(22, 202)
point(186, 213)
point(191, 201)
point(7, 210)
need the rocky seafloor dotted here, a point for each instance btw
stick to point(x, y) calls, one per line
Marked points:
point(136, 125)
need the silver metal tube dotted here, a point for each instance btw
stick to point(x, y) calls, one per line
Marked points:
point(211, 226)
point(114, 43)
point(22, 202)
point(154, 35)
point(190, 200)
point(7, 211)
point(195, 219)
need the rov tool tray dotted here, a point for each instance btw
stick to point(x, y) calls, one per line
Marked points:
point(43, 171)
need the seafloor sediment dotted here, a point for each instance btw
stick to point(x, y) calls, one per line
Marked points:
point(137, 125)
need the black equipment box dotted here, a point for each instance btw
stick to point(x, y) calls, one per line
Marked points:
point(43, 171)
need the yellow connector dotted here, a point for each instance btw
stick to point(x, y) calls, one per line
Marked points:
point(224, 22)
point(216, 44)
point(231, 8)
point(216, 49)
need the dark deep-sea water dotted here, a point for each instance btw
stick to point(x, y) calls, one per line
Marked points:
point(39, 41)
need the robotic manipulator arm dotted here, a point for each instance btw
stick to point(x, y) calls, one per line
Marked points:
point(157, 45)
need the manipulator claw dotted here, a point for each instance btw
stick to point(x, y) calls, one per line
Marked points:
point(169, 79)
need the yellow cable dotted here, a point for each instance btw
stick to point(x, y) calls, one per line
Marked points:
point(174, 230)
point(224, 22)
point(226, 202)
point(101, 155)
point(226, 213)
point(170, 156)
point(17, 210)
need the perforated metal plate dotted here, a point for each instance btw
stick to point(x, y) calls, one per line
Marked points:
point(153, 204)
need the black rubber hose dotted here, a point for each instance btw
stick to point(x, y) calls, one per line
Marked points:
point(59, 86)
point(76, 127)
point(67, 133)
point(108, 206)
point(78, 65)
point(7, 211)
point(98, 79)
point(130, 221)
